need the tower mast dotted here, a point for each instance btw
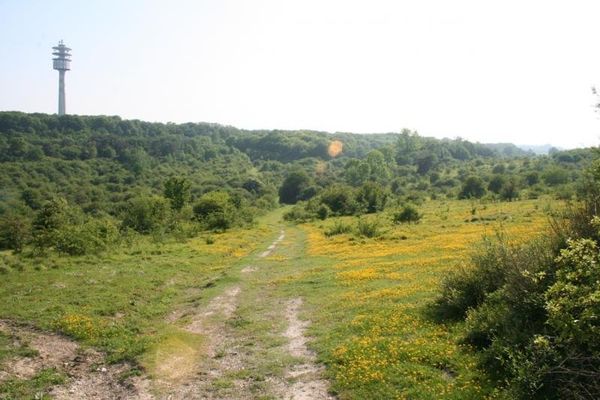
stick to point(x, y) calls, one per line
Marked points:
point(61, 63)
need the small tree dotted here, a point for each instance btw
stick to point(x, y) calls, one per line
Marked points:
point(177, 190)
point(472, 188)
point(510, 191)
point(372, 197)
point(145, 214)
point(52, 216)
point(408, 214)
point(496, 184)
point(293, 187)
point(14, 232)
point(215, 210)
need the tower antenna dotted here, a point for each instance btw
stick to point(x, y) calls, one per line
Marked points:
point(61, 63)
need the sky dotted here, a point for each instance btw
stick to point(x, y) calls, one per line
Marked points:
point(517, 71)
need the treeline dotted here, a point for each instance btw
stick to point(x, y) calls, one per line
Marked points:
point(102, 165)
point(414, 169)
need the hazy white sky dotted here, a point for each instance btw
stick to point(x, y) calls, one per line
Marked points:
point(491, 71)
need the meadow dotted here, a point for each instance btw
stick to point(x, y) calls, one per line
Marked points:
point(369, 298)
point(366, 298)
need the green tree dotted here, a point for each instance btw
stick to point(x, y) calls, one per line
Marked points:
point(372, 197)
point(52, 216)
point(145, 214)
point(408, 213)
point(293, 187)
point(496, 184)
point(215, 210)
point(472, 188)
point(14, 232)
point(177, 190)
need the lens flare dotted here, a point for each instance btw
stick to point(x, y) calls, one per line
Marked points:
point(335, 148)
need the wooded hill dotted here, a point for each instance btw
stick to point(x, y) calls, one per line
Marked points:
point(104, 165)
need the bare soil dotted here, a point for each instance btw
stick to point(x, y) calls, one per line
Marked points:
point(308, 383)
point(89, 377)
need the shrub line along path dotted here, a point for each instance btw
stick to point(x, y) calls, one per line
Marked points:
point(253, 341)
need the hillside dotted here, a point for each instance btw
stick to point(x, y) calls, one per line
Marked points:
point(147, 261)
point(98, 163)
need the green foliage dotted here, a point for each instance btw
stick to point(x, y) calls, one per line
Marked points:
point(145, 214)
point(573, 300)
point(532, 311)
point(295, 188)
point(510, 190)
point(408, 213)
point(53, 216)
point(218, 211)
point(368, 227)
point(472, 188)
point(372, 197)
point(496, 184)
point(177, 190)
point(340, 199)
point(299, 213)
point(323, 211)
point(14, 232)
point(93, 236)
point(555, 176)
point(339, 227)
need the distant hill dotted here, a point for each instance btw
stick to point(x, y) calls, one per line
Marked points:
point(507, 149)
point(540, 149)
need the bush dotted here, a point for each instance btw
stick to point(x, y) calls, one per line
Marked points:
point(299, 213)
point(472, 188)
point(145, 214)
point(220, 211)
point(338, 228)
point(372, 197)
point(14, 232)
point(91, 237)
point(408, 214)
point(368, 227)
point(340, 199)
point(295, 187)
point(323, 211)
point(532, 310)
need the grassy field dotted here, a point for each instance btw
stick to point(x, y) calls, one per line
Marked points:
point(366, 299)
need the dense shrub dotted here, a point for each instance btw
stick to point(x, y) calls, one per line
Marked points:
point(372, 197)
point(472, 188)
point(177, 190)
point(340, 199)
point(368, 227)
point(408, 213)
point(145, 214)
point(222, 210)
point(533, 310)
point(14, 232)
point(215, 210)
point(339, 227)
point(93, 236)
point(299, 213)
point(295, 187)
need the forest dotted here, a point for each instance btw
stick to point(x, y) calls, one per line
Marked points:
point(488, 252)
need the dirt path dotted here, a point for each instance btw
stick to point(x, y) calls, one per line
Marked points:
point(308, 383)
point(88, 375)
point(195, 373)
point(255, 344)
point(247, 342)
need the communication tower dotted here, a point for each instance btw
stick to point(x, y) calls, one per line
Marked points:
point(61, 63)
